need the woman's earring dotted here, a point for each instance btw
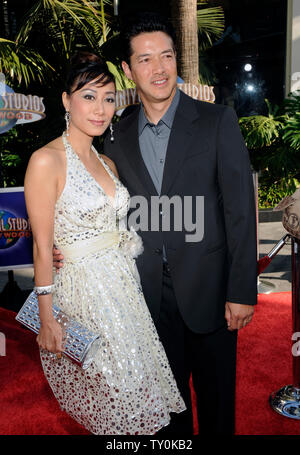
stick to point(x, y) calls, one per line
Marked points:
point(67, 119)
point(111, 132)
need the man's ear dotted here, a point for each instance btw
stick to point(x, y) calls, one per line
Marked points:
point(126, 70)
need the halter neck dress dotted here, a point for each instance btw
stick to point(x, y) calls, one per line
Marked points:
point(129, 388)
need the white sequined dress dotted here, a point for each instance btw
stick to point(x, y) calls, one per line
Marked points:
point(129, 388)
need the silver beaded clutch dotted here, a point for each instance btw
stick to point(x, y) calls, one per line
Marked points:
point(80, 343)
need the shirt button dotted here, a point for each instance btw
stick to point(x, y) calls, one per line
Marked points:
point(161, 161)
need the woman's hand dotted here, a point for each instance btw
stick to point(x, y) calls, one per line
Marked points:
point(50, 336)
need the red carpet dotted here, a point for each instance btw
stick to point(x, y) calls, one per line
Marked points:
point(265, 365)
point(27, 406)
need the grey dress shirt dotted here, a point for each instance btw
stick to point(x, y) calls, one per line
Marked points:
point(153, 141)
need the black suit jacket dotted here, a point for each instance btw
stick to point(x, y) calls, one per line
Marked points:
point(206, 156)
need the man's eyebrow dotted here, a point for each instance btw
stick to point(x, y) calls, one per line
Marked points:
point(168, 50)
point(163, 52)
point(143, 55)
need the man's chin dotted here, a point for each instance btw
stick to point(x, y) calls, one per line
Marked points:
point(163, 95)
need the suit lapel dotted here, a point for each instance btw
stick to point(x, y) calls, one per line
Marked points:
point(181, 138)
point(130, 143)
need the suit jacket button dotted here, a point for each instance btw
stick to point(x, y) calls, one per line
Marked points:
point(158, 251)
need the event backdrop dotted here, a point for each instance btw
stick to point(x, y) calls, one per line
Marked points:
point(15, 232)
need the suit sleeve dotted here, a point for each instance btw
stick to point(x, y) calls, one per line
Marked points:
point(236, 184)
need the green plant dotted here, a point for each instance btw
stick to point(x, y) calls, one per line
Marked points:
point(292, 132)
point(211, 24)
point(292, 128)
point(273, 142)
point(8, 161)
point(64, 23)
point(291, 104)
point(270, 195)
point(22, 63)
point(62, 27)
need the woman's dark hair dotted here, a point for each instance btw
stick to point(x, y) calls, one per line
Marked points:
point(143, 22)
point(86, 67)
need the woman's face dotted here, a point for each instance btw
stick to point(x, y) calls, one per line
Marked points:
point(91, 108)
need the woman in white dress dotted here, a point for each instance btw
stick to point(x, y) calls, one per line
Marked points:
point(76, 202)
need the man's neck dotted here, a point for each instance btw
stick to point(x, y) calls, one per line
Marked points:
point(155, 111)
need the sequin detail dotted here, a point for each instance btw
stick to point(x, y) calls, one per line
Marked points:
point(129, 389)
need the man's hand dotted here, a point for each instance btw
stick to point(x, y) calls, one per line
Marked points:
point(57, 259)
point(237, 315)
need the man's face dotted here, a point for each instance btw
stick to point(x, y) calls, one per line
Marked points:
point(153, 66)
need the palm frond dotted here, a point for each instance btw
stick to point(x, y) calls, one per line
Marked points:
point(121, 80)
point(292, 132)
point(63, 15)
point(292, 103)
point(211, 23)
point(259, 130)
point(22, 63)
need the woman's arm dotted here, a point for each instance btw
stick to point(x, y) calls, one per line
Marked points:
point(40, 189)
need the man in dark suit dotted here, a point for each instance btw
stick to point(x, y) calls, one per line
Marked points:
point(199, 292)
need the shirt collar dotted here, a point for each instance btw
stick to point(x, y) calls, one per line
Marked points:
point(168, 117)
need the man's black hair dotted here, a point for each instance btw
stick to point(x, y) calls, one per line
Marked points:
point(143, 22)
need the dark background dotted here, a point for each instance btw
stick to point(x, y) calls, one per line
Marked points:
point(255, 33)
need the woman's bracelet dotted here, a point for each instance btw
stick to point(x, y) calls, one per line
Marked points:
point(44, 290)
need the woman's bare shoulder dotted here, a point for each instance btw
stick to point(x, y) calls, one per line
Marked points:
point(50, 154)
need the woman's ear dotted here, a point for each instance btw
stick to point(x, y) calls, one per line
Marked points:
point(66, 101)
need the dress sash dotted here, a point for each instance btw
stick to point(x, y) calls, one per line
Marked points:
point(85, 247)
